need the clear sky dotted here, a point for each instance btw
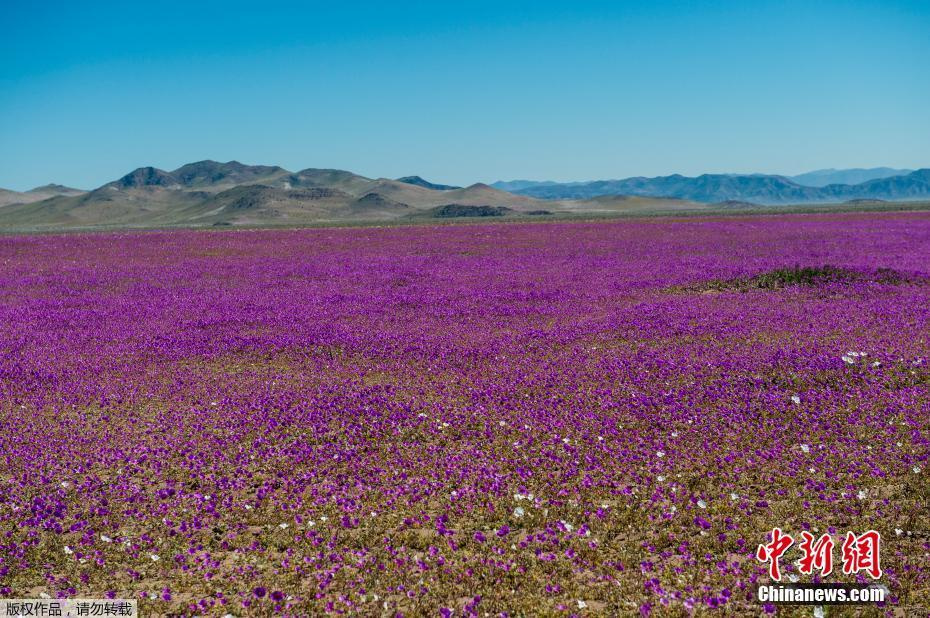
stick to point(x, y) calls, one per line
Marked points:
point(460, 92)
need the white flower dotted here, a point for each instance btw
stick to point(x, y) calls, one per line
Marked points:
point(502, 423)
point(818, 611)
point(582, 604)
point(812, 470)
point(660, 453)
point(848, 360)
point(105, 538)
point(898, 532)
point(702, 504)
point(282, 526)
point(155, 557)
point(68, 550)
point(421, 415)
point(567, 525)
point(734, 496)
point(796, 399)
point(916, 469)
point(248, 507)
point(660, 478)
point(519, 512)
point(805, 448)
point(861, 495)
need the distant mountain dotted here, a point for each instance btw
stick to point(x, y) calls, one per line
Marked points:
point(105, 207)
point(376, 206)
point(420, 182)
point(754, 188)
point(35, 195)
point(317, 177)
point(708, 188)
point(54, 189)
point(913, 186)
point(480, 194)
point(207, 175)
point(145, 177)
point(518, 185)
point(853, 176)
point(211, 193)
point(213, 173)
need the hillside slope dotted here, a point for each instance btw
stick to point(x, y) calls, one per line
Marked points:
point(209, 193)
point(35, 195)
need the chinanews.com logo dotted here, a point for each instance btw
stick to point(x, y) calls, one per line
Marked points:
point(860, 554)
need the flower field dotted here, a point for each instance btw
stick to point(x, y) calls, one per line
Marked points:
point(514, 419)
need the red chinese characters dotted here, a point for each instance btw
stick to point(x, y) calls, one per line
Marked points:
point(817, 554)
point(773, 551)
point(861, 553)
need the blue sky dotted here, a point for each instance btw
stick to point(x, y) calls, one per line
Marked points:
point(462, 92)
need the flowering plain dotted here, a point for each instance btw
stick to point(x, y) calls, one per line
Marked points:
point(519, 419)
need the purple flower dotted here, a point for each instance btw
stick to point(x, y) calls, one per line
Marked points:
point(325, 404)
point(702, 523)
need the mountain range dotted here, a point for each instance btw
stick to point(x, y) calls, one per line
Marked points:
point(852, 176)
point(35, 195)
point(762, 189)
point(816, 178)
point(211, 193)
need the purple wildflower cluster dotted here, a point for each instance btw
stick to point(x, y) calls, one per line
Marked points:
point(459, 420)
